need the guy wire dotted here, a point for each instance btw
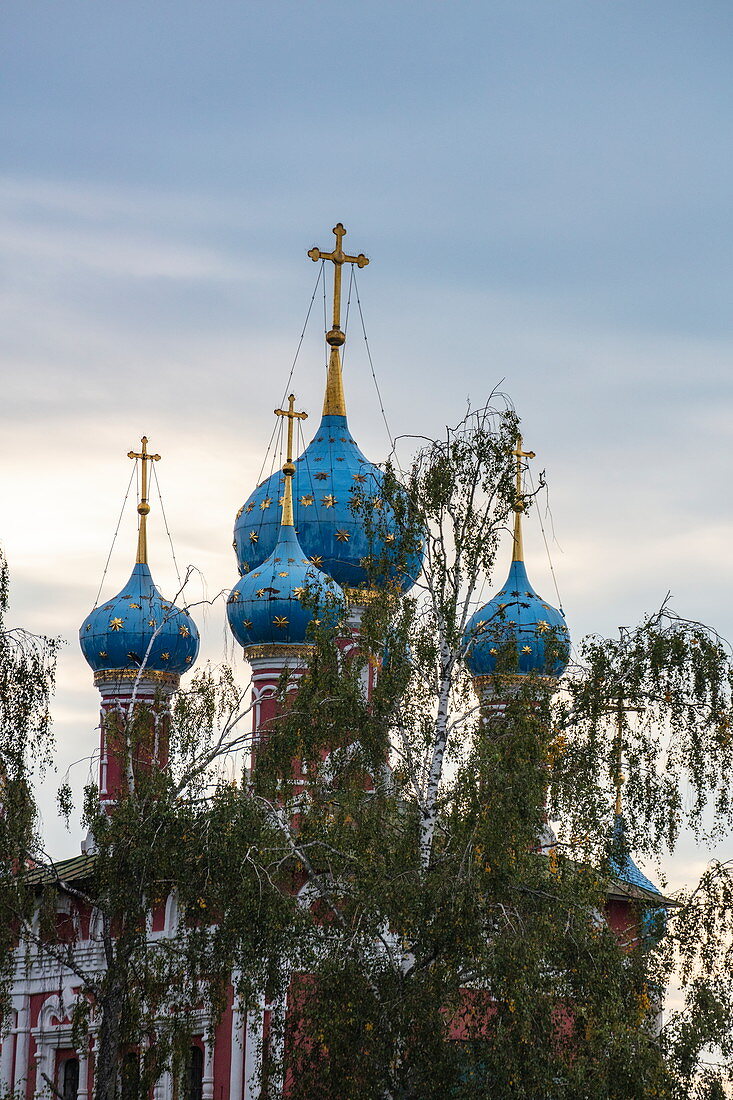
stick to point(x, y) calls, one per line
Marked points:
point(114, 537)
point(346, 319)
point(547, 548)
point(292, 368)
point(374, 377)
point(165, 523)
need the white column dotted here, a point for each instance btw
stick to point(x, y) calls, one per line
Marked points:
point(83, 1091)
point(163, 1089)
point(41, 1060)
point(21, 1046)
point(277, 1041)
point(236, 1075)
point(253, 1053)
point(207, 1084)
point(6, 1059)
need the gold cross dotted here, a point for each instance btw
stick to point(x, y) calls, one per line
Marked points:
point(338, 257)
point(519, 454)
point(143, 507)
point(289, 468)
point(619, 709)
point(291, 415)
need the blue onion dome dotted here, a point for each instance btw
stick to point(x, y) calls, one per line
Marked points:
point(333, 487)
point(139, 627)
point(280, 601)
point(517, 632)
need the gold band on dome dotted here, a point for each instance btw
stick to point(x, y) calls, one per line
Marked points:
point(253, 652)
point(129, 675)
point(513, 679)
point(359, 597)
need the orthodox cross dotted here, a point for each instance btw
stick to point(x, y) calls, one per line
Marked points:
point(519, 454)
point(620, 708)
point(143, 507)
point(338, 257)
point(289, 468)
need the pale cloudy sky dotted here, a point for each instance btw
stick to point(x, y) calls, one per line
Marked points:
point(543, 188)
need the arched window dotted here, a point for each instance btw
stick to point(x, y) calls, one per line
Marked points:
point(130, 1077)
point(70, 1078)
point(195, 1074)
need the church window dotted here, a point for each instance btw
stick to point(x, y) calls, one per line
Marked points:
point(195, 1074)
point(70, 1078)
point(130, 1077)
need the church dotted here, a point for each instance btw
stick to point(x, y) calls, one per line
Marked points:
point(301, 547)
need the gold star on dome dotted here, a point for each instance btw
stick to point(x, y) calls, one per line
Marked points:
point(115, 624)
point(88, 627)
point(307, 500)
point(234, 545)
point(284, 573)
point(328, 501)
point(542, 626)
point(250, 506)
point(248, 624)
point(165, 656)
point(266, 503)
point(526, 649)
point(321, 475)
point(291, 561)
point(102, 653)
point(254, 537)
point(260, 593)
point(361, 478)
point(340, 459)
point(234, 597)
point(280, 621)
point(342, 536)
point(152, 622)
point(136, 606)
point(166, 606)
point(493, 652)
point(239, 512)
point(184, 631)
point(188, 660)
point(299, 592)
point(281, 501)
point(378, 504)
point(317, 559)
point(389, 539)
point(319, 459)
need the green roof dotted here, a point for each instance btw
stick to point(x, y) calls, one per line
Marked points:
point(70, 870)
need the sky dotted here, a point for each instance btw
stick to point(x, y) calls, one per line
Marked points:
point(543, 189)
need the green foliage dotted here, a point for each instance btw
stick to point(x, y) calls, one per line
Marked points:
point(387, 868)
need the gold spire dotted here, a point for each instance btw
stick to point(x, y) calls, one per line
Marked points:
point(143, 507)
point(618, 779)
point(289, 468)
point(519, 454)
point(334, 403)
